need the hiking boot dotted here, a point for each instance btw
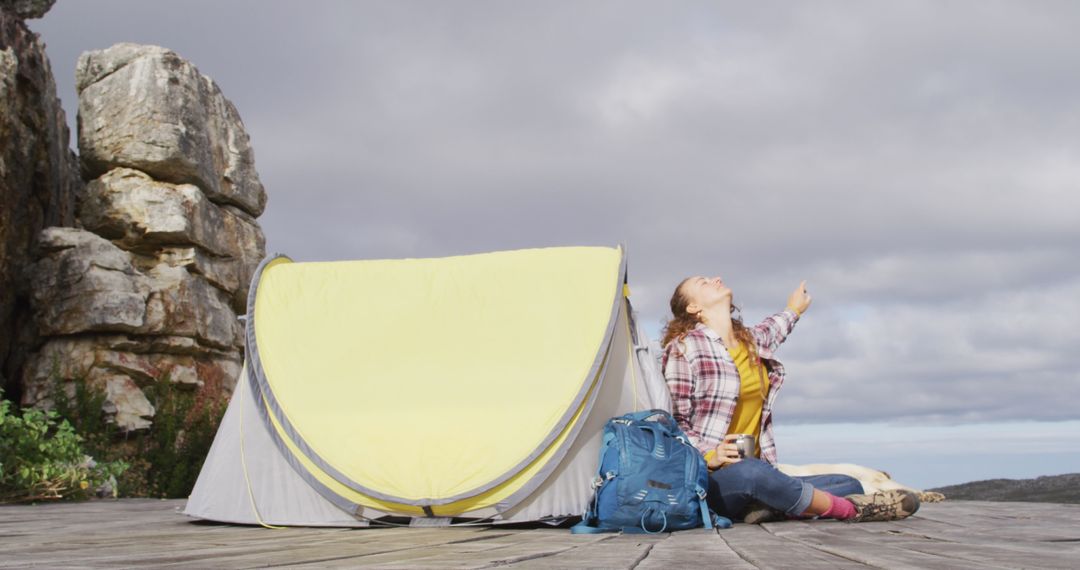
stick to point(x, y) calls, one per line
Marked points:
point(759, 513)
point(884, 505)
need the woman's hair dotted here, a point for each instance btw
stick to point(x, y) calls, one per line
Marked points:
point(682, 322)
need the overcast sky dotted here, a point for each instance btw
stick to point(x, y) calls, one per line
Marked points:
point(917, 162)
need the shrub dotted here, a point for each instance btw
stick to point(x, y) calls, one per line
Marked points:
point(185, 423)
point(42, 458)
point(165, 459)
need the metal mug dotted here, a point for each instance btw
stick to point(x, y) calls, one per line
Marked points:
point(746, 445)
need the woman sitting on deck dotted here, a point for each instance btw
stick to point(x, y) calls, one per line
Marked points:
point(724, 380)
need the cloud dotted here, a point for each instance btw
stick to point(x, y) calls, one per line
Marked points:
point(914, 161)
point(995, 356)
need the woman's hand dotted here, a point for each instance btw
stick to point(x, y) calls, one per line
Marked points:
point(726, 453)
point(799, 300)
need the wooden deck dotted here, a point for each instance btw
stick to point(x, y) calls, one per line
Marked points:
point(151, 533)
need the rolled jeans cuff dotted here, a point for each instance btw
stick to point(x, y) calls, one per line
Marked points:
point(803, 503)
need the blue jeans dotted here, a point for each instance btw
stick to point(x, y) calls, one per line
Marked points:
point(733, 488)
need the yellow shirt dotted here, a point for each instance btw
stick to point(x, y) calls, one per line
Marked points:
point(753, 385)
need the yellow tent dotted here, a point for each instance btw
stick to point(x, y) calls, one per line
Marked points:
point(472, 387)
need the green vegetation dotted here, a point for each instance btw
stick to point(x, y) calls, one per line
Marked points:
point(41, 457)
point(165, 459)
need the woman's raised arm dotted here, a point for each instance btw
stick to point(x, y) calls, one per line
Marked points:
point(772, 331)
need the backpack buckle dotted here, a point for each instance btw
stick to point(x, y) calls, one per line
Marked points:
point(600, 480)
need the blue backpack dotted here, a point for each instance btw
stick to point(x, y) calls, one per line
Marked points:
point(651, 479)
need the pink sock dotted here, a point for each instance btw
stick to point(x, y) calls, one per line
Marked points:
point(839, 509)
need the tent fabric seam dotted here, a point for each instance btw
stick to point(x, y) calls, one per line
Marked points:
point(350, 507)
point(253, 380)
point(582, 399)
point(541, 476)
point(272, 406)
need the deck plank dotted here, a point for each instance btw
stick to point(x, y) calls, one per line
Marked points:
point(139, 533)
point(690, 549)
point(763, 549)
point(876, 546)
point(522, 547)
point(345, 551)
point(607, 551)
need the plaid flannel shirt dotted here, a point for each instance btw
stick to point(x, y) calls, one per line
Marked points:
point(704, 382)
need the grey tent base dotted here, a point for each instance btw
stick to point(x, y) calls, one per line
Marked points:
point(279, 494)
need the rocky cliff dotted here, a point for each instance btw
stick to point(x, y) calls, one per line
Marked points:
point(130, 263)
point(39, 175)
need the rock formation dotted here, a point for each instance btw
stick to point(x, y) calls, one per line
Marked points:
point(39, 175)
point(149, 287)
point(27, 9)
point(181, 129)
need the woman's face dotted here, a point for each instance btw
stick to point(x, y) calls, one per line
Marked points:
point(705, 293)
